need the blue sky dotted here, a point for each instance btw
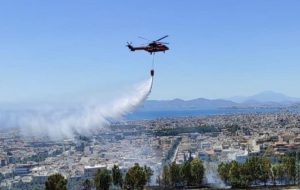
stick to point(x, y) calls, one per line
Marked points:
point(218, 49)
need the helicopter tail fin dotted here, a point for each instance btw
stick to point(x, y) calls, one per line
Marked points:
point(130, 46)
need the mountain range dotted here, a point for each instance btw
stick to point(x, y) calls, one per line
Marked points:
point(266, 96)
point(266, 99)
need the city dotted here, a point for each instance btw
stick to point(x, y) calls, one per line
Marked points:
point(27, 162)
point(149, 95)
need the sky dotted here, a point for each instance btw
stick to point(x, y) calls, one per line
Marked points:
point(218, 49)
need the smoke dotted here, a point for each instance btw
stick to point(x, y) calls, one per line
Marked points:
point(212, 177)
point(84, 119)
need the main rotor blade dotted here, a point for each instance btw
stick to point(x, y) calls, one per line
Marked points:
point(161, 38)
point(144, 38)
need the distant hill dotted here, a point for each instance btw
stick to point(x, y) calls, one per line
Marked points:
point(266, 96)
point(263, 99)
point(266, 99)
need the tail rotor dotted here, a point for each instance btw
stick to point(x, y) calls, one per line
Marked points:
point(130, 46)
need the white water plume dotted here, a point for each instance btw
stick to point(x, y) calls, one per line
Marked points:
point(85, 119)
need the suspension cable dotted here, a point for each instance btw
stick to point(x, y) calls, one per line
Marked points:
point(153, 61)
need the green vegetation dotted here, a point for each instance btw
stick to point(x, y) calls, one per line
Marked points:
point(56, 152)
point(179, 130)
point(35, 188)
point(197, 171)
point(258, 170)
point(35, 158)
point(232, 128)
point(165, 178)
point(1, 176)
point(223, 170)
point(41, 158)
point(148, 173)
point(135, 179)
point(117, 176)
point(87, 185)
point(255, 171)
point(56, 182)
point(189, 173)
point(103, 180)
point(289, 166)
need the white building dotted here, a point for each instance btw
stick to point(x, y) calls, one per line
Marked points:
point(90, 171)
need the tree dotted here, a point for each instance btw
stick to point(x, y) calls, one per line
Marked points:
point(265, 170)
point(87, 185)
point(148, 172)
point(278, 173)
point(158, 181)
point(223, 170)
point(166, 176)
point(275, 173)
point(234, 174)
point(102, 180)
point(135, 178)
point(186, 171)
point(1, 177)
point(269, 152)
point(289, 164)
point(245, 176)
point(254, 168)
point(117, 176)
point(197, 171)
point(281, 172)
point(258, 169)
point(175, 174)
point(56, 182)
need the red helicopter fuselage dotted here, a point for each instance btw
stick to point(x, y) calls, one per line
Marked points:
point(154, 46)
point(151, 48)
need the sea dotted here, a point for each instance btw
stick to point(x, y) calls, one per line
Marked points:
point(151, 115)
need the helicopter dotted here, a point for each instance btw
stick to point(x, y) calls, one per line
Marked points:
point(152, 47)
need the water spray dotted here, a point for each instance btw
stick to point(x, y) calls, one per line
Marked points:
point(84, 118)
